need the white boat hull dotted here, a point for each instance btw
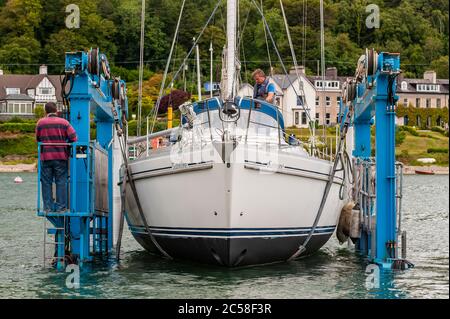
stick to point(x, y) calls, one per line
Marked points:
point(232, 214)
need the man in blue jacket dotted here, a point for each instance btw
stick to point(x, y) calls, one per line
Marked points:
point(263, 90)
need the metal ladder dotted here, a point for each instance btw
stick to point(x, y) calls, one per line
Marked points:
point(99, 234)
point(56, 244)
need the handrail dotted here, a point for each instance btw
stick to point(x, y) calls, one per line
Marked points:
point(151, 136)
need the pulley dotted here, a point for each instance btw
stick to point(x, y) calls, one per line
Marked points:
point(93, 65)
point(371, 62)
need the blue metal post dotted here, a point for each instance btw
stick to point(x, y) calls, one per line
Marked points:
point(385, 170)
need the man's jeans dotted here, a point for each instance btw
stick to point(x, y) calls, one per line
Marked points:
point(54, 171)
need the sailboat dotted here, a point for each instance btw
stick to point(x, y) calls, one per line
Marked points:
point(230, 189)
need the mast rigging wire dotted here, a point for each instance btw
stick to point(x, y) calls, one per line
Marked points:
point(279, 57)
point(155, 113)
point(166, 70)
point(141, 68)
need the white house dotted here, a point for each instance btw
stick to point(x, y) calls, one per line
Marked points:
point(20, 94)
point(293, 106)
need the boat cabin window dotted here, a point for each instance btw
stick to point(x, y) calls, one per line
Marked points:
point(260, 125)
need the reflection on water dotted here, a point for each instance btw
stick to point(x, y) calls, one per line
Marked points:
point(334, 272)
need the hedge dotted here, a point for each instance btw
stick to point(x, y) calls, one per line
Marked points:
point(409, 129)
point(18, 127)
point(437, 150)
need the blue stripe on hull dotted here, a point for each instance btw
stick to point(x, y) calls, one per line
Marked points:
point(232, 232)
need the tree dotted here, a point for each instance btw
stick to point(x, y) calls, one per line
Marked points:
point(18, 55)
point(441, 66)
point(63, 41)
point(20, 18)
point(174, 99)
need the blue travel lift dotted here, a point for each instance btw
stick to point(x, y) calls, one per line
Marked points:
point(371, 98)
point(89, 93)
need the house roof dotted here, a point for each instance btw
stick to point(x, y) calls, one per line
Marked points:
point(25, 82)
point(341, 79)
point(18, 97)
point(412, 86)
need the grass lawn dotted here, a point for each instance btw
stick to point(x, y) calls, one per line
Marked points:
point(411, 149)
point(415, 147)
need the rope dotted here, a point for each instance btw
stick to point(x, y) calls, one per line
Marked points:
point(294, 59)
point(322, 58)
point(141, 69)
point(338, 159)
point(128, 176)
point(305, 21)
point(279, 57)
point(166, 70)
point(267, 44)
point(184, 62)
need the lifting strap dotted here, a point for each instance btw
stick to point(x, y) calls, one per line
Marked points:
point(339, 157)
point(128, 177)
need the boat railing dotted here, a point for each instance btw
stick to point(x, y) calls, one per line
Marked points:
point(88, 153)
point(138, 145)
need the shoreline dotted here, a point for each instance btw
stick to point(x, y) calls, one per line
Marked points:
point(407, 170)
point(18, 168)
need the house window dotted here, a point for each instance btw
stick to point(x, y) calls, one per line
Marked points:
point(438, 103)
point(299, 100)
point(317, 115)
point(2, 108)
point(405, 102)
point(304, 118)
point(418, 102)
point(404, 86)
point(405, 120)
point(428, 103)
point(328, 99)
point(327, 118)
point(10, 91)
point(45, 91)
point(278, 101)
point(296, 118)
point(317, 101)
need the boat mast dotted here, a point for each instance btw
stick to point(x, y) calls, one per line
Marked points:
point(199, 81)
point(231, 49)
point(211, 69)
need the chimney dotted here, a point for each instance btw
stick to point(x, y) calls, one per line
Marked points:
point(331, 72)
point(43, 69)
point(430, 76)
point(300, 68)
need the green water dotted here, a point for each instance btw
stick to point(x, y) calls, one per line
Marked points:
point(334, 272)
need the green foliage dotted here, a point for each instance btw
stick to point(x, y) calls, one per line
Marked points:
point(437, 150)
point(423, 114)
point(21, 145)
point(132, 127)
point(16, 119)
point(39, 112)
point(409, 129)
point(18, 127)
point(399, 137)
point(33, 32)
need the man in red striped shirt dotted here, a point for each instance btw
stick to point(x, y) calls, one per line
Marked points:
point(54, 130)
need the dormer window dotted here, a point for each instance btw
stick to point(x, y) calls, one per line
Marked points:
point(45, 91)
point(404, 86)
point(428, 88)
point(11, 91)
